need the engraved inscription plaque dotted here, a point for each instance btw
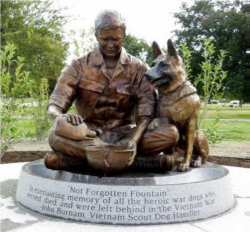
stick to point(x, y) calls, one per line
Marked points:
point(127, 198)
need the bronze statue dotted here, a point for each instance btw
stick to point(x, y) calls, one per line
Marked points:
point(108, 87)
point(178, 104)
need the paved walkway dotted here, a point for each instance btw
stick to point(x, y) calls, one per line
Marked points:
point(15, 218)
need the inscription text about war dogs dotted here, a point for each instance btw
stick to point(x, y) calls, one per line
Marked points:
point(119, 206)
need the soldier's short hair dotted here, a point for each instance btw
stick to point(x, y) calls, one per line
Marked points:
point(110, 19)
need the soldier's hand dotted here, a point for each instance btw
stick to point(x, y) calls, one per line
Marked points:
point(74, 119)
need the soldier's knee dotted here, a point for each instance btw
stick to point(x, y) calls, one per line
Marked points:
point(54, 140)
point(171, 134)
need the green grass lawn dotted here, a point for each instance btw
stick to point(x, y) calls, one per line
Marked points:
point(225, 112)
point(237, 128)
point(232, 130)
point(229, 114)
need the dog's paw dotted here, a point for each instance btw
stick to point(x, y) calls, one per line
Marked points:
point(183, 167)
point(196, 163)
point(154, 124)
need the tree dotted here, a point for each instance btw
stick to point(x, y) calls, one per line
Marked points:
point(227, 24)
point(84, 43)
point(36, 30)
point(138, 48)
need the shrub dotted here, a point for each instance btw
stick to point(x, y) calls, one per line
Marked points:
point(15, 84)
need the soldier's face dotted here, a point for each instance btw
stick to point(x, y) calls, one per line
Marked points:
point(110, 41)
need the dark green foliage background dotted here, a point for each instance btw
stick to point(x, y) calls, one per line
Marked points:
point(36, 29)
point(228, 25)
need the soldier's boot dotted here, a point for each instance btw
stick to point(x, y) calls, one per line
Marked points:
point(162, 163)
point(59, 161)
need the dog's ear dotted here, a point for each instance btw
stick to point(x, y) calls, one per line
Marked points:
point(171, 48)
point(156, 50)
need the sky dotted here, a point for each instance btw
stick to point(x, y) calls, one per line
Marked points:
point(151, 20)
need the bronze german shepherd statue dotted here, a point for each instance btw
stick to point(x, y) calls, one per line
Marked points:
point(178, 104)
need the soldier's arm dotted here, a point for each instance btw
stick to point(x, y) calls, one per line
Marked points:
point(146, 101)
point(64, 94)
point(54, 111)
point(141, 127)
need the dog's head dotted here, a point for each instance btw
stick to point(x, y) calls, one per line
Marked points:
point(168, 69)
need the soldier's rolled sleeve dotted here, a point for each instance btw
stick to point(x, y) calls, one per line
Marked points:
point(65, 90)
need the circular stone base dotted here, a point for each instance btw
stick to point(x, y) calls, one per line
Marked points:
point(129, 198)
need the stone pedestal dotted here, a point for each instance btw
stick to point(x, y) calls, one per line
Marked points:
point(129, 198)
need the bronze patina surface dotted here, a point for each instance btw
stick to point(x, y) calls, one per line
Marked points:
point(178, 104)
point(111, 93)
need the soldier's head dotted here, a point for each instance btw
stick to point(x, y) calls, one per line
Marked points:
point(110, 31)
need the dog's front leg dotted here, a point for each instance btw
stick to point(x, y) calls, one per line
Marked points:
point(190, 136)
